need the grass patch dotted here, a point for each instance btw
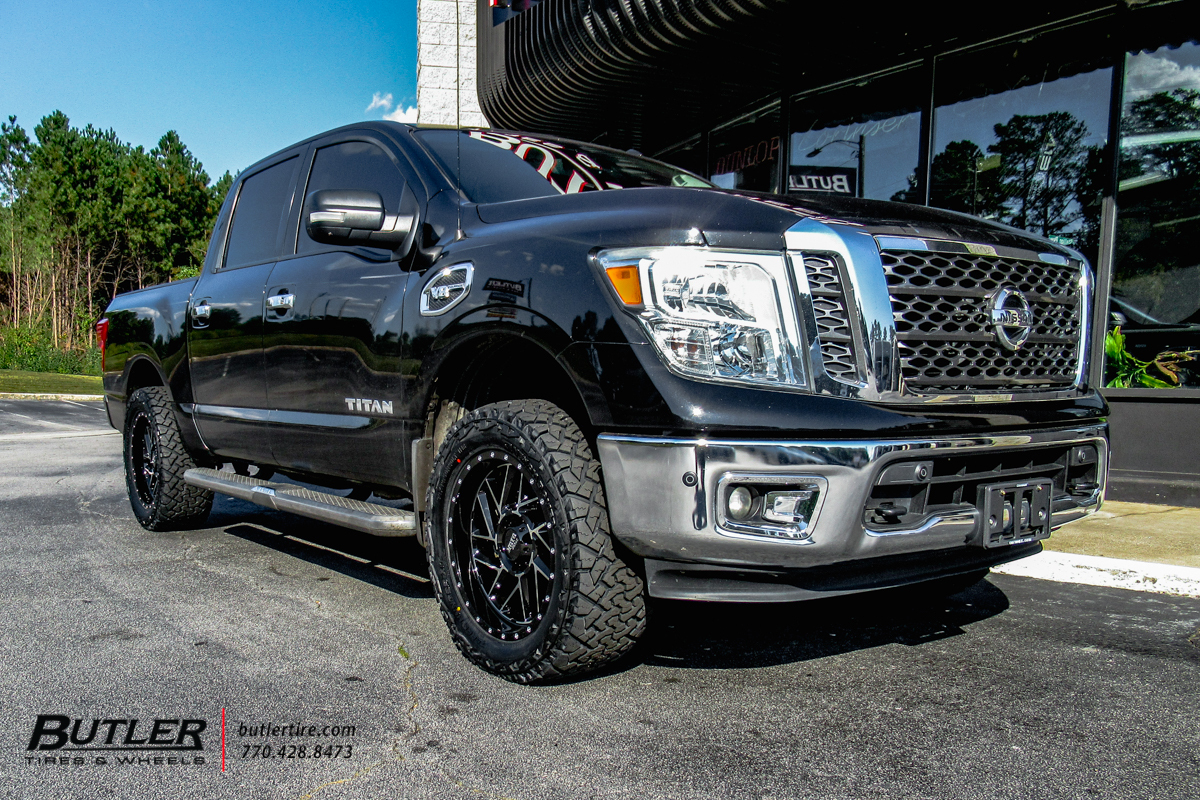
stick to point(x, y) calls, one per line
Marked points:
point(19, 380)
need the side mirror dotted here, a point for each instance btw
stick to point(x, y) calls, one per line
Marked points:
point(355, 217)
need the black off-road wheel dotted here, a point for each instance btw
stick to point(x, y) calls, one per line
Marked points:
point(155, 460)
point(520, 553)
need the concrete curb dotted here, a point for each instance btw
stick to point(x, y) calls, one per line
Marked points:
point(46, 396)
point(40, 436)
point(1140, 576)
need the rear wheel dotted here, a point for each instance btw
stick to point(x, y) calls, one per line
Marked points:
point(155, 460)
point(520, 552)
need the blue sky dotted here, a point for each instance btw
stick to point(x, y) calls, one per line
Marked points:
point(236, 80)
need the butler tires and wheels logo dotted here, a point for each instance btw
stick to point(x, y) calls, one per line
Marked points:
point(59, 739)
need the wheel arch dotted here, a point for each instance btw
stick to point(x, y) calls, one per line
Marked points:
point(141, 372)
point(476, 364)
point(505, 365)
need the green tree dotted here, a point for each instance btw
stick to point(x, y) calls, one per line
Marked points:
point(84, 215)
point(1092, 186)
point(14, 166)
point(1042, 157)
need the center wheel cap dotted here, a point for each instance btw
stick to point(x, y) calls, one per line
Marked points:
point(516, 547)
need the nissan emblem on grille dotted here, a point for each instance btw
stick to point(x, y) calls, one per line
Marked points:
point(1011, 317)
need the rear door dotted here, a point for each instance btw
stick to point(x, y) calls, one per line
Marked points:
point(331, 346)
point(225, 318)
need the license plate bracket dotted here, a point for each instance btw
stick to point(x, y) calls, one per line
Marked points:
point(1014, 513)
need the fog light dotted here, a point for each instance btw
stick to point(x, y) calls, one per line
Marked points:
point(740, 503)
point(778, 507)
point(789, 507)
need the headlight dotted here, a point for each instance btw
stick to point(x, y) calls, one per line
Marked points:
point(712, 314)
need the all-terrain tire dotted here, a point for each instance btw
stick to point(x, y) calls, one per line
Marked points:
point(590, 609)
point(155, 460)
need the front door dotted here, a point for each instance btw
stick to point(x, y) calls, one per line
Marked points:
point(331, 346)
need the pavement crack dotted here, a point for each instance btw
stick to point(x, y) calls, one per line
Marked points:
point(1168, 510)
point(397, 756)
point(353, 777)
point(412, 694)
point(85, 507)
point(395, 759)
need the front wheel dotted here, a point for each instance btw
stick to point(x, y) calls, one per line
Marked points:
point(155, 460)
point(520, 552)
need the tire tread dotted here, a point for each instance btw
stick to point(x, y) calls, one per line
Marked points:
point(605, 609)
point(178, 505)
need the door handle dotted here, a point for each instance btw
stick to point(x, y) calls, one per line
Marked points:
point(201, 311)
point(281, 302)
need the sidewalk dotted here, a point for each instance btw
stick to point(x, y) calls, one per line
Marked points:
point(1134, 531)
point(1127, 545)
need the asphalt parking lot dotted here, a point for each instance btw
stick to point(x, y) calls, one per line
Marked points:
point(1016, 688)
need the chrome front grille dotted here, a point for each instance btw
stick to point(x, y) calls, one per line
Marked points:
point(833, 322)
point(941, 305)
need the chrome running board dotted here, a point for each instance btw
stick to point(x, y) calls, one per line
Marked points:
point(371, 518)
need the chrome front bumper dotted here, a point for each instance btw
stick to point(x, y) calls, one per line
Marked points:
point(662, 496)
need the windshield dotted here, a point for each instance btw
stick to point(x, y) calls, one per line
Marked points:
point(494, 167)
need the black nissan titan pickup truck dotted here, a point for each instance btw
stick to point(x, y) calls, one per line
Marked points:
point(596, 378)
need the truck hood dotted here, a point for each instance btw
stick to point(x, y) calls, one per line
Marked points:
point(757, 220)
point(884, 218)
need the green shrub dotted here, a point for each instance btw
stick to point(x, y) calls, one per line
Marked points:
point(31, 349)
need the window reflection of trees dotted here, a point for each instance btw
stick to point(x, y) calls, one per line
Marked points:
point(1156, 277)
point(1160, 207)
point(1039, 175)
point(1160, 135)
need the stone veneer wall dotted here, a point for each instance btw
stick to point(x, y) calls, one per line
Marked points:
point(446, 88)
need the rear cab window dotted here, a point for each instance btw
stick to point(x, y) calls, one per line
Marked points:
point(260, 215)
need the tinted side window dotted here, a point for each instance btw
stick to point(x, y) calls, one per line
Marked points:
point(260, 216)
point(353, 165)
point(489, 174)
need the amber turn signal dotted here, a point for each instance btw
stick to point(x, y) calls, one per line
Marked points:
point(627, 283)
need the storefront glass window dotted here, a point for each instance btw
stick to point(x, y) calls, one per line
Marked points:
point(746, 153)
point(1019, 137)
point(689, 155)
point(861, 141)
point(1155, 303)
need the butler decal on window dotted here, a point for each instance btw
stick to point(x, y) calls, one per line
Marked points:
point(834, 180)
point(551, 160)
point(565, 166)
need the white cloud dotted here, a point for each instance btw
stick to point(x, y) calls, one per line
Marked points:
point(1148, 73)
point(402, 114)
point(383, 101)
point(398, 114)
